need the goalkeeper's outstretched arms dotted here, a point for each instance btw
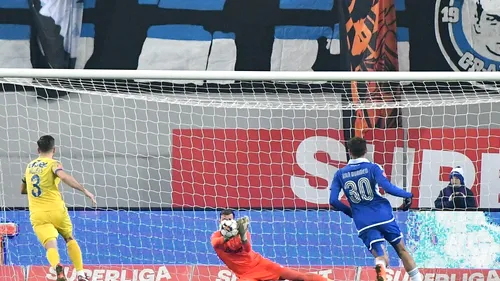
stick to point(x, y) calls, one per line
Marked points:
point(225, 234)
point(334, 196)
point(229, 229)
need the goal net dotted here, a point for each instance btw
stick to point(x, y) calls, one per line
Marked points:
point(164, 151)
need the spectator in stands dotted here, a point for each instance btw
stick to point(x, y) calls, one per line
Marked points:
point(456, 195)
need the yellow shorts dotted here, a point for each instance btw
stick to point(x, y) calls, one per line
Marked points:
point(48, 224)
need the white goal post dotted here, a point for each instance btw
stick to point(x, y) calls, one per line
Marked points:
point(171, 148)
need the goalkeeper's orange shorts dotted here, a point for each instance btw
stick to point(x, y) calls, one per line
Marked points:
point(266, 270)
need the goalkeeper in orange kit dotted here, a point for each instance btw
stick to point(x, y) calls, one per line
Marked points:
point(234, 248)
point(48, 213)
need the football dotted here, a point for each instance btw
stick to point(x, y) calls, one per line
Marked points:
point(229, 228)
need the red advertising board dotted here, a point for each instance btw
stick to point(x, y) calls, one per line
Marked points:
point(250, 168)
point(117, 273)
point(435, 274)
point(293, 168)
point(222, 273)
point(11, 273)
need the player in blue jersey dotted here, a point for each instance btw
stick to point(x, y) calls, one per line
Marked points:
point(372, 214)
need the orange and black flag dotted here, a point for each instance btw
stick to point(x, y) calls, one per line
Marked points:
point(369, 44)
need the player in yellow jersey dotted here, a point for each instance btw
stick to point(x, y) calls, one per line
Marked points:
point(48, 213)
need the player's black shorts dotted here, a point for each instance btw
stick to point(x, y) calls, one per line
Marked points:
point(385, 232)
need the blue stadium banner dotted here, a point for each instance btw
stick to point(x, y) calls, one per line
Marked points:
point(308, 35)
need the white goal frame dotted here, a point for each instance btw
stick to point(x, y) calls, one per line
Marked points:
point(474, 92)
point(295, 91)
point(435, 76)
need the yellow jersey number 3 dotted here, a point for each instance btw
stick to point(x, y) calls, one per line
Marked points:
point(37, 190)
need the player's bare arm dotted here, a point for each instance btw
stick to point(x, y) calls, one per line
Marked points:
point(72, 182)
point(24, 187)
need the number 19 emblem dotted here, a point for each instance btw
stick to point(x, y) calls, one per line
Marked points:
point(468, 33)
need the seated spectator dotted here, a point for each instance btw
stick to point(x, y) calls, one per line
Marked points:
point(456, 195)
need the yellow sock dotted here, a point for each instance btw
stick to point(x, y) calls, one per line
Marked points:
point(53, 257)
point(75, 255)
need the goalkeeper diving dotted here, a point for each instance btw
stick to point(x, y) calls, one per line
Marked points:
point(48, 213)
point(372, 213)
point(232, 243)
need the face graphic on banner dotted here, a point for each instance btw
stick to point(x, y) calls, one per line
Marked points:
point(468, 33)
point(486, 28)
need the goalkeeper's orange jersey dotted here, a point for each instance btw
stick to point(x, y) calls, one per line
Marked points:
point(238, 257)
point(43, 185)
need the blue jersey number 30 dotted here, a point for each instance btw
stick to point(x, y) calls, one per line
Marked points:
point(361, 190)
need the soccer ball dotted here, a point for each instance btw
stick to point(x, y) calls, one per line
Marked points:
point(229, 228)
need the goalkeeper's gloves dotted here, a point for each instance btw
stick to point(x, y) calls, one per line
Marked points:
point(406, 204)
point(243, 227)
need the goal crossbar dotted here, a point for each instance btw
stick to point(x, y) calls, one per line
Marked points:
point(437, 76)
point(299, 90)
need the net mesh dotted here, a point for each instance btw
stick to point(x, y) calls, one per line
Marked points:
point(318, 95)
point(169, 154)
